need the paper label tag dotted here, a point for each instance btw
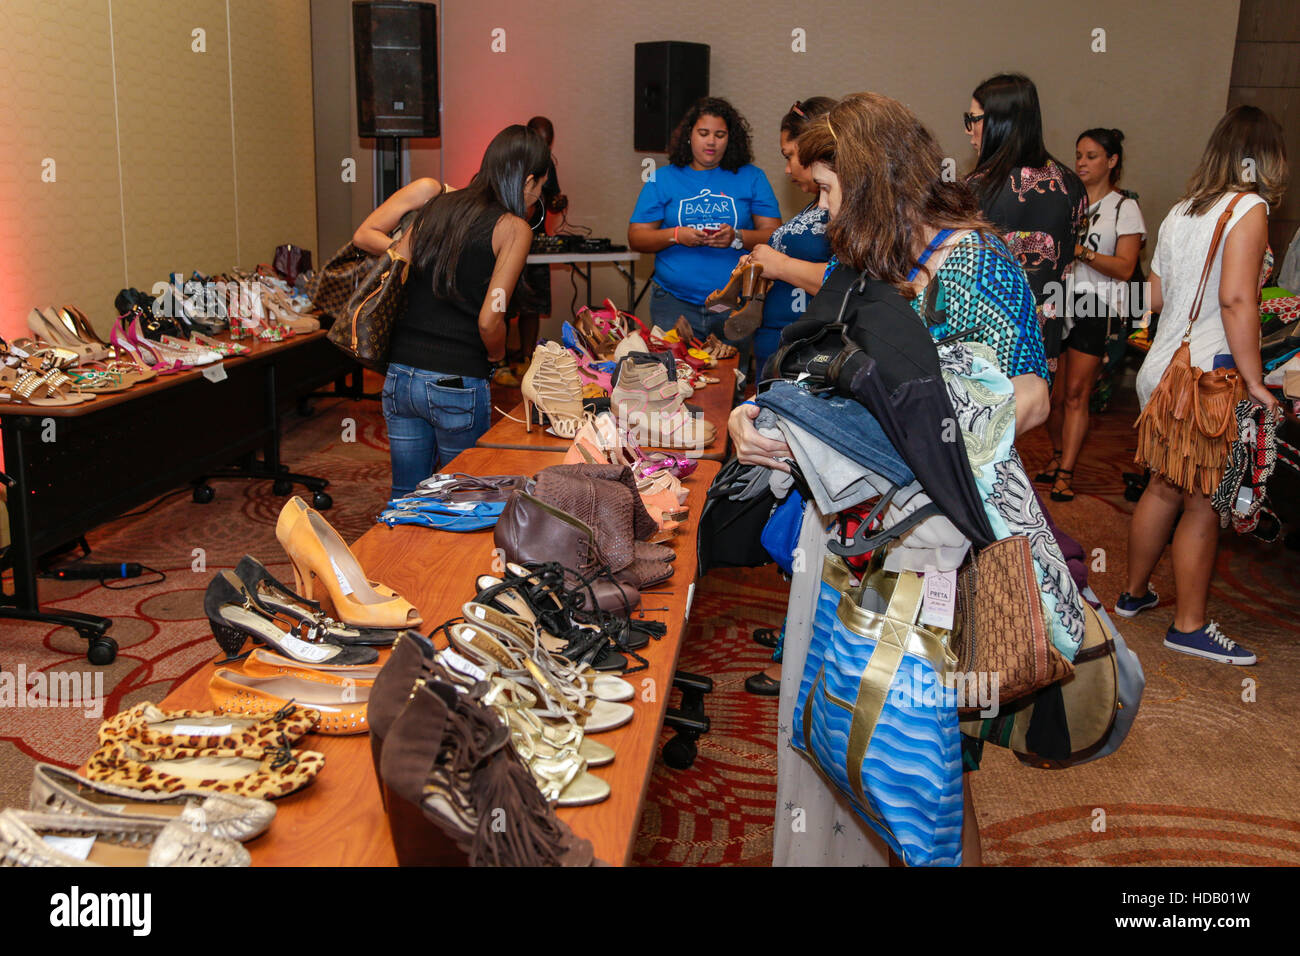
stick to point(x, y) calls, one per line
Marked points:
point(216, 372)
point(310, 652)
point(76, 847)
point(690, 599)
point(940, 602)
point(111, 807)
point(457, 663)
point(196, 730)
point(342, 579)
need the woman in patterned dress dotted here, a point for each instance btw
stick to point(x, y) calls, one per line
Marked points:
point(883, 224)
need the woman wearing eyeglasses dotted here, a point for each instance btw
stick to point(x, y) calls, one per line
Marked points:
point(1037, 203)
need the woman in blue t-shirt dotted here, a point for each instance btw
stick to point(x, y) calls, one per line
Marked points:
point(701, 213)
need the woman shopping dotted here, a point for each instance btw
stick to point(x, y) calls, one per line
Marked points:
point(1035, 202)
point(911, 229)
point(700, 214)
point(467, 250)
point(1242, 172)
point(1104, 262)
point(794, 258)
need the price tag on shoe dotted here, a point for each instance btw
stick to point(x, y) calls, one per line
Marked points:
point(216, 372)
point(76, 847)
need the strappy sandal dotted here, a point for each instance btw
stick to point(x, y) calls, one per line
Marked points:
point(1048, 474)
point(1064, 480)
point(21, 384)
point(718, 348)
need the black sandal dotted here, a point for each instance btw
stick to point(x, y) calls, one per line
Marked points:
point(1048, 477)
point(762, 685)
point(1064, 476)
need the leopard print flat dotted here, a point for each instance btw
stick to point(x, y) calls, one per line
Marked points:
point(269, 773)
point(147, 726)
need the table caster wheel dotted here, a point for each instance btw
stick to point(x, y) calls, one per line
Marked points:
point(203, 494)
point(102, 650)
point(282, 486)
point(321, 501)
point(679, 753)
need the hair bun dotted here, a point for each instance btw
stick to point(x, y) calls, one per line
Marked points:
point(1118, 134)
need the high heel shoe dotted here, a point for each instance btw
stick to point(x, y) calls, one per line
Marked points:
point(553, 386)
point(742, 323)
point(276, 598)
point(555, 699)
point(325, 569)
point(537, 598)
point(728, 298)
point(235, 617)
point(517, 634)
point(651, 408)
point(449, 755)
point(142, 355)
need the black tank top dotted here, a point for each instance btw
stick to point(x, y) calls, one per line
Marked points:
point(441, 334)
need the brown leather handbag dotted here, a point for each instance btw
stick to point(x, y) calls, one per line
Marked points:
point(337, 281)
point(367, 327)
point(1002, 628)
point(1189, 423)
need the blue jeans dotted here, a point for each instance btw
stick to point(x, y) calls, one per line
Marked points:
point(666, 307)
point(430, 424)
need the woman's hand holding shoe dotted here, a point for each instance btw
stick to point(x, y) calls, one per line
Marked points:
point(752, 448)
point(1262, 396)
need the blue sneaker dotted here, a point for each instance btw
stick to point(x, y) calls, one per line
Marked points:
point(1129, 606)
point(1209, 642)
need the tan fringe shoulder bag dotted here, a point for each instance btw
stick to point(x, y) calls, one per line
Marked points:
point(1189, 423)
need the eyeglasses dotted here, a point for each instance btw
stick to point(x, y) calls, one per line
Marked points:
point(971, 119)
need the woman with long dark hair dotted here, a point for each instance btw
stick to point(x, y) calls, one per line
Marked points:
point(701, 213)
point(1036, 202)
point(1246, 158)
point(1105, 257)
point(467, 250)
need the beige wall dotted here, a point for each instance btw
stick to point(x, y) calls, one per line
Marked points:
point(1163, 79)
point(342, 205)
point(165, 158)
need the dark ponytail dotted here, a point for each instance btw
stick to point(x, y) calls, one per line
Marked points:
point(1112, 143)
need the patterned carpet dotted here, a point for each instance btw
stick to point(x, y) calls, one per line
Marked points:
point(1208, 775)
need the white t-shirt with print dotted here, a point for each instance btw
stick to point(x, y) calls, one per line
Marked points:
point(1178, 260)
point(1112, 216)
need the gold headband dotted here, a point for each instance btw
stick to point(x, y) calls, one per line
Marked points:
point(832, 129)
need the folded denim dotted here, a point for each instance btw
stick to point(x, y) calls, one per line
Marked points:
point(843, 424)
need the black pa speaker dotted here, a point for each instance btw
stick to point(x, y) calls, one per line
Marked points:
point(670, 76)
point(396, 50)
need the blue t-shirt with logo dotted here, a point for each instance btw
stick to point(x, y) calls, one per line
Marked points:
point(702, 199)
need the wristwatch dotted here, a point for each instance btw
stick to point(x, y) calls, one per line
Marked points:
point(738, 242)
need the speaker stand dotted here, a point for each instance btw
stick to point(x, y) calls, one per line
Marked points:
point(388, 165)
